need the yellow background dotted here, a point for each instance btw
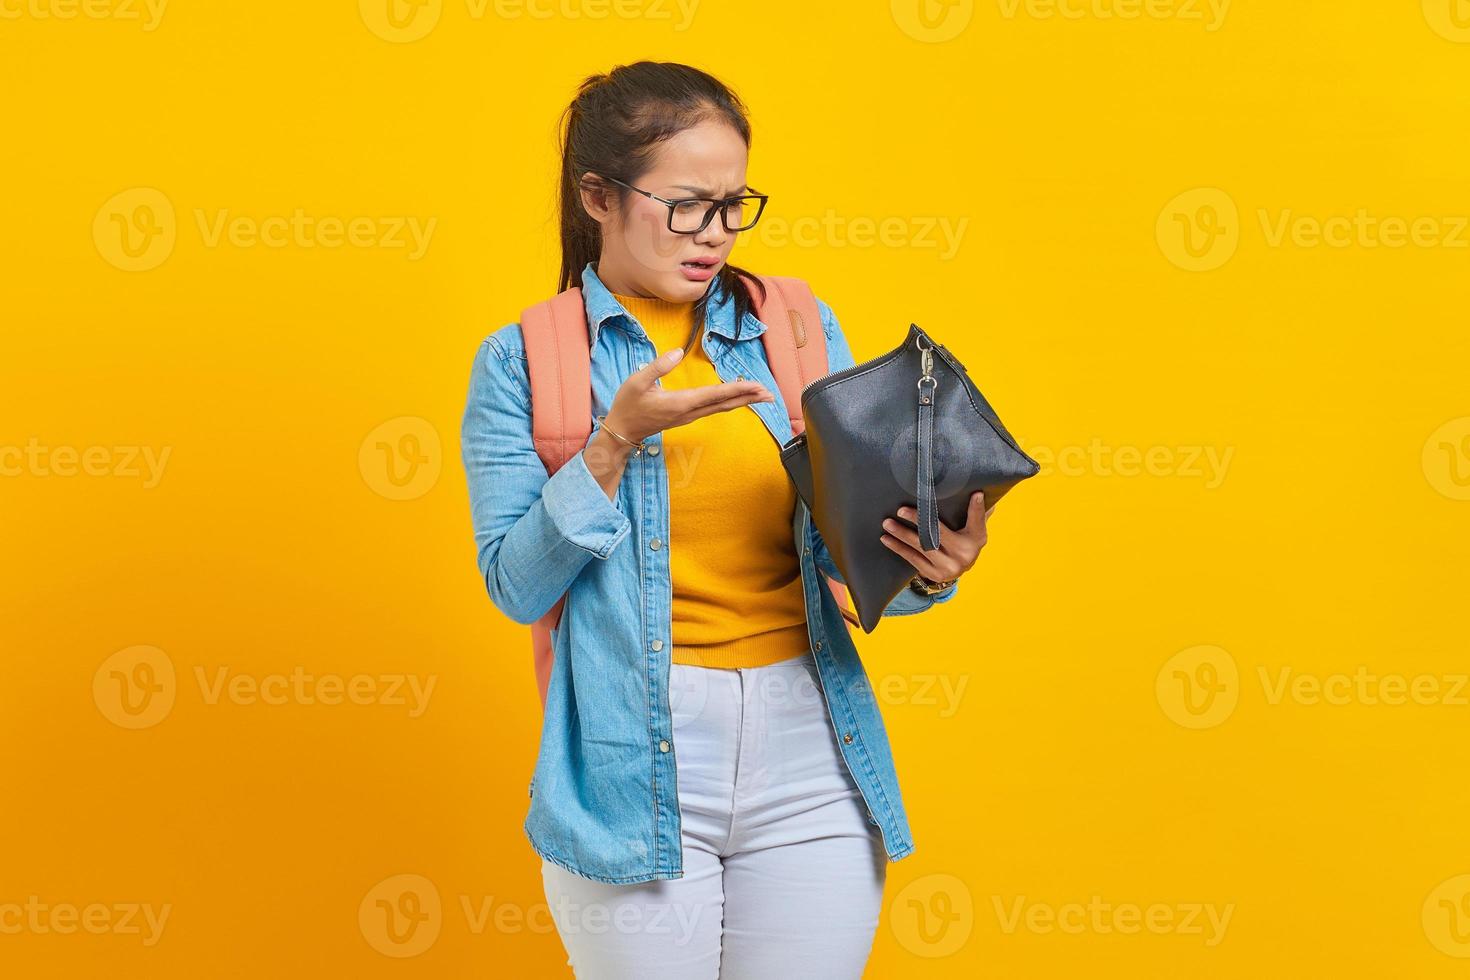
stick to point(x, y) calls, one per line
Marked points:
point(1082, 762)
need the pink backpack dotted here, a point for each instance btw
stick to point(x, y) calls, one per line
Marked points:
point(559, 358)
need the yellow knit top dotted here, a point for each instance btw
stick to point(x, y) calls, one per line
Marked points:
point(737, 578)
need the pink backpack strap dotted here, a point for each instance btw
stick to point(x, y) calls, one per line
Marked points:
point(559, 359)
point(796, 347)
point(796, 350)
point(559, 362)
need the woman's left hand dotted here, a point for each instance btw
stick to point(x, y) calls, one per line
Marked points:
point(959, 548)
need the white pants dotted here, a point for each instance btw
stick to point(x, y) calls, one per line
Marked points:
point(783, 874)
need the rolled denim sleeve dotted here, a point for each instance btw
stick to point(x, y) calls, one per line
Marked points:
point(533, 533)
point(907, 602)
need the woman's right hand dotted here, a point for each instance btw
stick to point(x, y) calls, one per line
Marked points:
point(642, 408)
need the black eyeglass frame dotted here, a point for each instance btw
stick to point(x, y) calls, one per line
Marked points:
point(713, 203)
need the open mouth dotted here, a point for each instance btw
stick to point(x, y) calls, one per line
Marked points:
point(700, 263)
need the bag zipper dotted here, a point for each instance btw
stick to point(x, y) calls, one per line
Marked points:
point(854, 368)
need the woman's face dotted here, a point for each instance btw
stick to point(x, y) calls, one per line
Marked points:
point(640, 255)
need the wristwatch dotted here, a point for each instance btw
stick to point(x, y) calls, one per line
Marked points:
point(923, 586)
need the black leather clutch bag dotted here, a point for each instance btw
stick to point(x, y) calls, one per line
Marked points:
point(909, 427)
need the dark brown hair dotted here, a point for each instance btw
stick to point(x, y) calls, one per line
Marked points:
point(613, 128)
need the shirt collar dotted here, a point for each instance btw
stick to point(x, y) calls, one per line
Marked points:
point(719, 317)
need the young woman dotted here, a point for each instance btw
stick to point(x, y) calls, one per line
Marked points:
point(697, 624)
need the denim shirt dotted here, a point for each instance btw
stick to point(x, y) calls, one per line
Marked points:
point(604, 800)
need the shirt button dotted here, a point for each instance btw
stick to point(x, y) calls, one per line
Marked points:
point(653, 450)
point(656, 645)
point(819, 644)
point(663, 745)
point(847, 738)
point(655, 544)
point(808, 551)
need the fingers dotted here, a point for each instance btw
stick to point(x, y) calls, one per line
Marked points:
point(977, 514)
point(911, 553)
point(660, 366)
point(694, 403)
point(906, 534)
point(705, 395)
point(739, 401)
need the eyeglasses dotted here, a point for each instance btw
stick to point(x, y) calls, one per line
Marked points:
point(691, 215)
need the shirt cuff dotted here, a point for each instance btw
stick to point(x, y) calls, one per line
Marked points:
point(580, 509)
point(908, 602)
